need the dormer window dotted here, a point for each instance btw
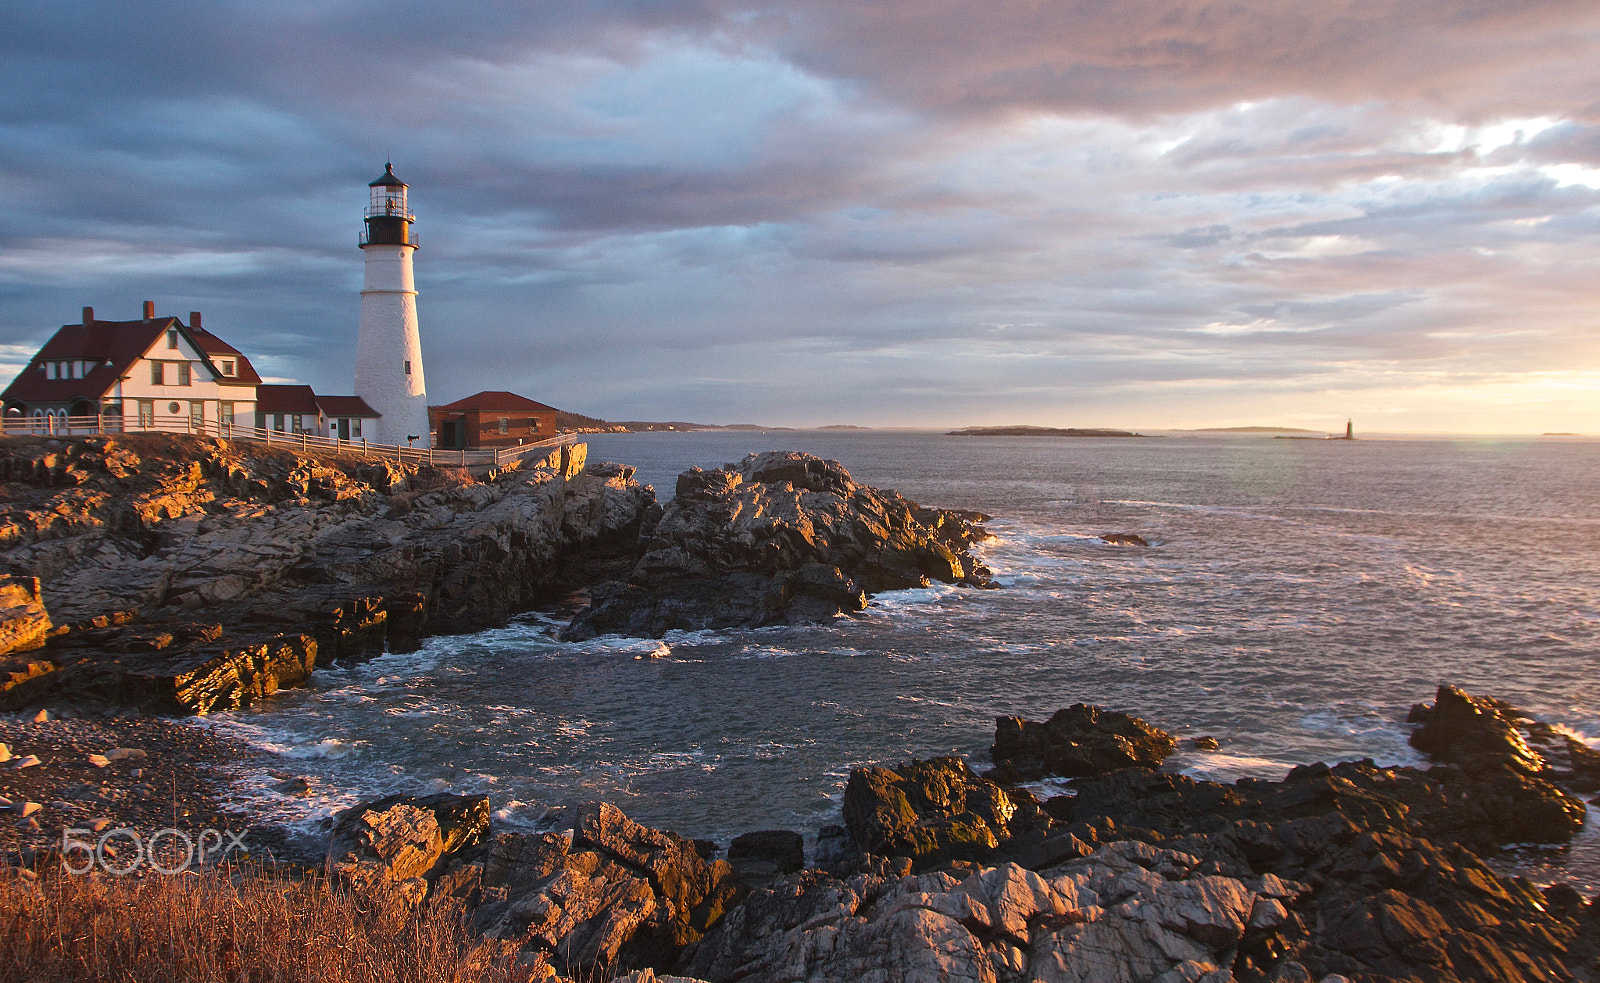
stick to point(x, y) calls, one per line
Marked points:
point(227, 365)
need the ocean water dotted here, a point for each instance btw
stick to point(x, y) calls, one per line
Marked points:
point(1297, 598)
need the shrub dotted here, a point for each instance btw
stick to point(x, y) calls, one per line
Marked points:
point(235, 925)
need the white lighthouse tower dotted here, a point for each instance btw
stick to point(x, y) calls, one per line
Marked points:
point(389, 350)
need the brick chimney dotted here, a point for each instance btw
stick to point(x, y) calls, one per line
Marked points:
point(149, 310)
point(88, 316)
point(194, 320)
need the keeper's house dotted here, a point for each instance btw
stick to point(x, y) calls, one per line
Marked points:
point(297, 409)
point(156, 373)
point(491, 420)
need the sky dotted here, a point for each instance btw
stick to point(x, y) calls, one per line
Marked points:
point(1141, 213)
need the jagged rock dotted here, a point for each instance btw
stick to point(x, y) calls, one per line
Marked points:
point(930, 811)
point(607, 895)
point(24, 622)
point(1478, 732)
point(1487, 759)
point(1079, 740)
point(1105, 917)
point(202, 679)
point(1462, 729)
point(401, 840)
point(778, 538)
point(24, 680)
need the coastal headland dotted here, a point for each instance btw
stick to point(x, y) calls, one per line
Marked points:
point(154, 576)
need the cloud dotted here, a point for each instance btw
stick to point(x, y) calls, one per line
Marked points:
point(799, 212)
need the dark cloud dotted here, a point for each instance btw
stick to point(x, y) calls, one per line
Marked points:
point(912, 212)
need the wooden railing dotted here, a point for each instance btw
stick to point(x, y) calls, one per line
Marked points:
point(60, 426)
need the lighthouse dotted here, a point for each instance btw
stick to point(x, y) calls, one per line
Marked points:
point(388, 348)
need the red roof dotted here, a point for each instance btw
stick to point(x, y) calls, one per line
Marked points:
point(286, 399)
point(496, 401)
point(346, 406)
point(112, 347)
point(244, 373)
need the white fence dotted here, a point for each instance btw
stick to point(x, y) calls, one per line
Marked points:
point(63, 426)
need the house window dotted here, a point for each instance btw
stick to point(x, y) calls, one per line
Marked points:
point(505, 425)
point(156, 378)
point(197, 414)
point(227, 367)
point(49, 370)
point(172, 338)
point(355, 427)
point(77, 370)
point(183, 373)
point(174, 409)
point(225, 414)
point(533, 425)
point(147, 413)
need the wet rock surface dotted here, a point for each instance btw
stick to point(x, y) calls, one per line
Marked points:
point(189, 574)
point(779, 538)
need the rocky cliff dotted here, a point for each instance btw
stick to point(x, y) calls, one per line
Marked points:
point(1345, 874)
point(188, 573)
point(779, 538)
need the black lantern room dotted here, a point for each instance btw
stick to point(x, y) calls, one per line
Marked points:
point(388, 219)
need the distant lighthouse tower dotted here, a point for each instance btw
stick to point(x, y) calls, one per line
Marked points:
point(388, 349)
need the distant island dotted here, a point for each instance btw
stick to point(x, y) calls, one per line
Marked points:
point(1250, 430)
point(1038, 432)
point(1560, 433)
point(843, 426)
point(578, 423)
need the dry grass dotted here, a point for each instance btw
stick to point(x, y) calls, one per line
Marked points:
point(238, 927)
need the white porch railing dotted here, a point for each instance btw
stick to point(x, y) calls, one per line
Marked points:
point(60, 426)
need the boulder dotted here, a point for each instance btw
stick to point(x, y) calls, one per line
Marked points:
point(1104, 917)
point(1079, 740)
point(24, 622)
point(607, 895)
point(930, 811)
point(1509, 771)
point(399, 841)
point(779, 538)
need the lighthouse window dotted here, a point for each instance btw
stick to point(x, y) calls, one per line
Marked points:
point(408, 366)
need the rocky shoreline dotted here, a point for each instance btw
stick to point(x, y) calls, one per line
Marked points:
point(1347, 871)
point(177, 575)
point(184, 574)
